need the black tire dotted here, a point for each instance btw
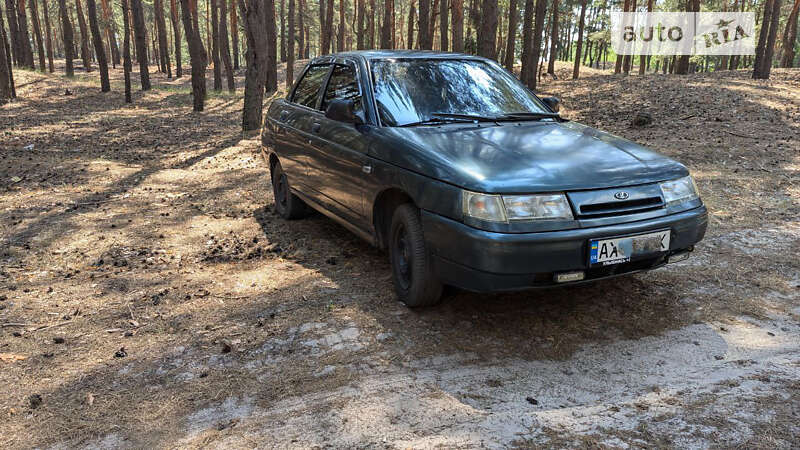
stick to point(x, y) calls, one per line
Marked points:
point(414, 281)
point(287, 205)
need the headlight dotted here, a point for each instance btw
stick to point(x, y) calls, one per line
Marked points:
point(679, 191)
point(496, 208)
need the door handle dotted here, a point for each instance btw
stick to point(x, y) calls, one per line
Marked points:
point(366, 168)
point(315, 128)
point(284, 115)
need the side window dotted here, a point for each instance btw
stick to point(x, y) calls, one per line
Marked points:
point(343, 86)
point(307, 91)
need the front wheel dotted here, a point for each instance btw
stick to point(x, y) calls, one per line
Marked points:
point(414, 280)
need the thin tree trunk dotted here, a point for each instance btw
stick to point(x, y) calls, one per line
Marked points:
point(578, 46)
point(290, 48)
point(643, 59)
point(282, 15)
point(97, 40)
point(551, 63)
point(197, 53)
point(163, 47)
point(127, 65)
point(141, 42)
point(541, 12)
point(386, 28)
point(790, 36)
point(488, 30)
point(360, 31)
point(329, 10)
point(66, 28)
point(224, 45)
point(301, 28)
point(176, 31)
point(343, 24)
point(37, 33)
point(322, 27)
point(372, 11)
point(766, 61)
point(24, 35)
point(513, 17)
point(618, 62)
point(215, 53)
point(255, 20)
point(13, 32)
point(86, 55)
point(111, 31)
point(527, 42)
point(412, 12)
point(6, 70)
point(235, 34)
point(48, 36)
point(425, 40)
point(457, 12)
point(444, 7)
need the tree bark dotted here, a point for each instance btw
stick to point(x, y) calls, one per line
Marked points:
point(282, 15)
point(511, 40)
point(538, 25)
point(444, 7)
point(551, 63)
point(527, 42)
point(790, 36)
point(762, 38)
point(97, 40)
point(6, 70)
point(371, 25)
point(86, 55)
point(343, 25)
point(161, 27)
point(127, 65)
point(412, 12)
point(110, 29)
point(423, 36)
point(235, 34)
point(766, 61)
point(329, 10)
point(579, 45)
point(360, 31)
point(197, 53)
point(619, 58)
point(488, 30)
point(176, 31)
point(457, 12)
point(224, 45)
point(141, 42)
point(24, 35)
point(386, 28)
point(37, 33)
point(215, 53)
point(13, 32)
point(255, 20)
point(48, 31)
point(301, 27)
point(66, 28)
point(290, 48)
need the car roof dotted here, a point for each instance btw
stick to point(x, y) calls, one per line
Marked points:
point(390, 54)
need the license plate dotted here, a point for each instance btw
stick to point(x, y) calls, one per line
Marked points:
point(620, 250)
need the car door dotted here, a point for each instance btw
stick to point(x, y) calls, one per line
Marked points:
point(339, 163)
point(296, 117)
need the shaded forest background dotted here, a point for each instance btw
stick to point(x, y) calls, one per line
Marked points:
point(526, 36)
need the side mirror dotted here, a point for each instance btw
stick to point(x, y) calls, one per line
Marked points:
point(342, 111)
point(552, 103)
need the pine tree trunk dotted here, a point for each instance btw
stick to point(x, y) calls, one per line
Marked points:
point(37, 33)
point(215, 53)
point(766, 61)
point(511, 40)
point(329, 10)
point(13, 32)
point(254, 20)
point(197, 53)
point(97, 40)
point(6, 74)
point(48, 31)
point(527, 42)
point(412, 13)
point(110, 29)
point(127, 65)
point(444, 7)
point(322, 31)
point(578, 45)
point(163, 47)
point(386, 28)
point(290, 48)
point(224, 45)
point(762, 38)
point(538, 24)
point(282, 15)
point(488, 30)
point(141, 42)
point(790, 36)
point(371, 24)
point(176, 31)
point(425, 40)
point(86, 55)
point(235, 34)
point(360, 24)
point(301, 28)
point(24, 35)
point(551, 63)
point(66, 28)
point(457, 12)
point(343, 25)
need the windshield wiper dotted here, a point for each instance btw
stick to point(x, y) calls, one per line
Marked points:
point(436, 121)
point(470, 117)
point(529, 116)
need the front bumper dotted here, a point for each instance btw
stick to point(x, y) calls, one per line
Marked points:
point(483, 261)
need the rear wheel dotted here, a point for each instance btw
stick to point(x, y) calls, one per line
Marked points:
point(287, 205)
point(414, 280)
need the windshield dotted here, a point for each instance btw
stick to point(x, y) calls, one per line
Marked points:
point(419, 90)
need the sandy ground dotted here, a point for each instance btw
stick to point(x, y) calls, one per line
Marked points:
point(150, 297)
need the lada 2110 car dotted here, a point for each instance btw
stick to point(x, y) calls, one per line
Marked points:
point(469, 179)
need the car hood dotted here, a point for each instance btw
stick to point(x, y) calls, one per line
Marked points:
point(523, 157)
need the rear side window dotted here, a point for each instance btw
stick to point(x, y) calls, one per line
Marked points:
point(343, 86)
point(307, 91)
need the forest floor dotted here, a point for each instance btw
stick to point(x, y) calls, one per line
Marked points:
point(150, 297)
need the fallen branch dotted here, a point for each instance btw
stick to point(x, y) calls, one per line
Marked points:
point(740, 135)
point(3, 325)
